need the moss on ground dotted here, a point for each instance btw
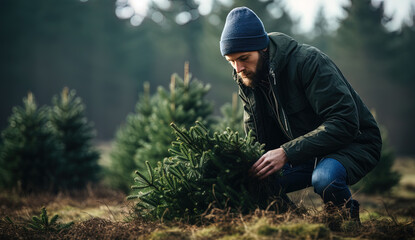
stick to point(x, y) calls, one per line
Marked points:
point(102, 214)
point(170, 234)
point(305, 231)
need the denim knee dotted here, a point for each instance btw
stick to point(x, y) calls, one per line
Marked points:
point(322, 181)
point(329, 181)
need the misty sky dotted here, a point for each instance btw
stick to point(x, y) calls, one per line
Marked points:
point(305, 10)
point(302, 10)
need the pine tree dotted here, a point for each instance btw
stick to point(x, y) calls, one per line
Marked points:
point(321, 35)
point(404, 75)
point(30, 154)
point(203, 171)
point(79, 163)
point(361, 48)
point(129, 138)
point(147, 134)
point(183, 104)
point(232, 116)
point(381, 179)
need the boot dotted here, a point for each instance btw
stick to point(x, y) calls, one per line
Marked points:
point(333, 216)
point(352, 208)
point(342, 218)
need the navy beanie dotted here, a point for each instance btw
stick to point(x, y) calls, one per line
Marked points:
point(243, 32)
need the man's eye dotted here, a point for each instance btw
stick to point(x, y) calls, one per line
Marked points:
point(243, 59)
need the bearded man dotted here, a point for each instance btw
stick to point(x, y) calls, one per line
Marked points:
point(315, 127)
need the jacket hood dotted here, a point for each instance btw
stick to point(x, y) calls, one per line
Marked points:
point(281, 46)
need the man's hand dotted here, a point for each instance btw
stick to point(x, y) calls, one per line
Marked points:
point(269, 163)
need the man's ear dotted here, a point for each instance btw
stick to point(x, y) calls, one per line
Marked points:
point(264, 50)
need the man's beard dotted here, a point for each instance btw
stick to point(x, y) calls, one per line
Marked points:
point(252, 79)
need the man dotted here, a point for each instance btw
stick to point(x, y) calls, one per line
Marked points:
point(314, 125)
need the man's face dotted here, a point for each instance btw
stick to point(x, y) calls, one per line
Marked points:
point(247, 65)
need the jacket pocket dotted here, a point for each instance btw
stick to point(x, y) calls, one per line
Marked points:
point(301, 117)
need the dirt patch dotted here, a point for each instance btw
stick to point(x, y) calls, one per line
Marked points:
point(98, 228)
point(95, 228)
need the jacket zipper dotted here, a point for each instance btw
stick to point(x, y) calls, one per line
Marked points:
point(253, 117)
point(284, 129)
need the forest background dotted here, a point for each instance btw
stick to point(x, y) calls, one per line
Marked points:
point(106, 51)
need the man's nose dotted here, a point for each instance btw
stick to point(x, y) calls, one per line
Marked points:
point(239, 67)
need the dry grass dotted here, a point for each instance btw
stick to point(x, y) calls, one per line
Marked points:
point(94, 201)
point(100, 213)
point(109, 221)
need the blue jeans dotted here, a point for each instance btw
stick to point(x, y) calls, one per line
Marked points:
point(328, 179)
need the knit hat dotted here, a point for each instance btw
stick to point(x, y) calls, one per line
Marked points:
point(243, 32)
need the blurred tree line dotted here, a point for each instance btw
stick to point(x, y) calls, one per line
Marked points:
point(106, 52)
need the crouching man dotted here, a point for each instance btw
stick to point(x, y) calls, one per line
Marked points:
point(315, 127)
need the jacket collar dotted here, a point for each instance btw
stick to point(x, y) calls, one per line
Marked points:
point(280, 48)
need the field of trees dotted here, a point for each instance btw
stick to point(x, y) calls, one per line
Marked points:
point(93, 48)
point(189, 183)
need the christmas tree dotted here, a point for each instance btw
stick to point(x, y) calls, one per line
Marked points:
point(183, 104)
point(147, 134)
point(204, 171)
point(31, 153)
point(79, 163)
point(129, 138)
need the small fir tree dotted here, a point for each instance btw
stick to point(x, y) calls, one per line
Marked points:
point(30, 154)
point(381, 179)
point(202, 171)
point(42, 223)
point(147, 134)
point(129, 138)
point(232, 116)
point(183, 105)
point(79, 163)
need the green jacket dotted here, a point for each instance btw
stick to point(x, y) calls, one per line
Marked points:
point(317, 110)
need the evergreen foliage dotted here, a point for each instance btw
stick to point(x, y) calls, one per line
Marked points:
point(128, 139)
point(30, 153)
point(48, 149)
point(42, 223)
point(203, 171)
point(375, 62)
point(361, 46)
point(89, 47)
point(382, 178)
point(404, 74)
point(79, 163)
point(184, 104)
point(232, 116)
point(146, 136)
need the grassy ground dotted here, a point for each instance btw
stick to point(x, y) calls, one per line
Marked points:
point(106, 215)
point(100, 213)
